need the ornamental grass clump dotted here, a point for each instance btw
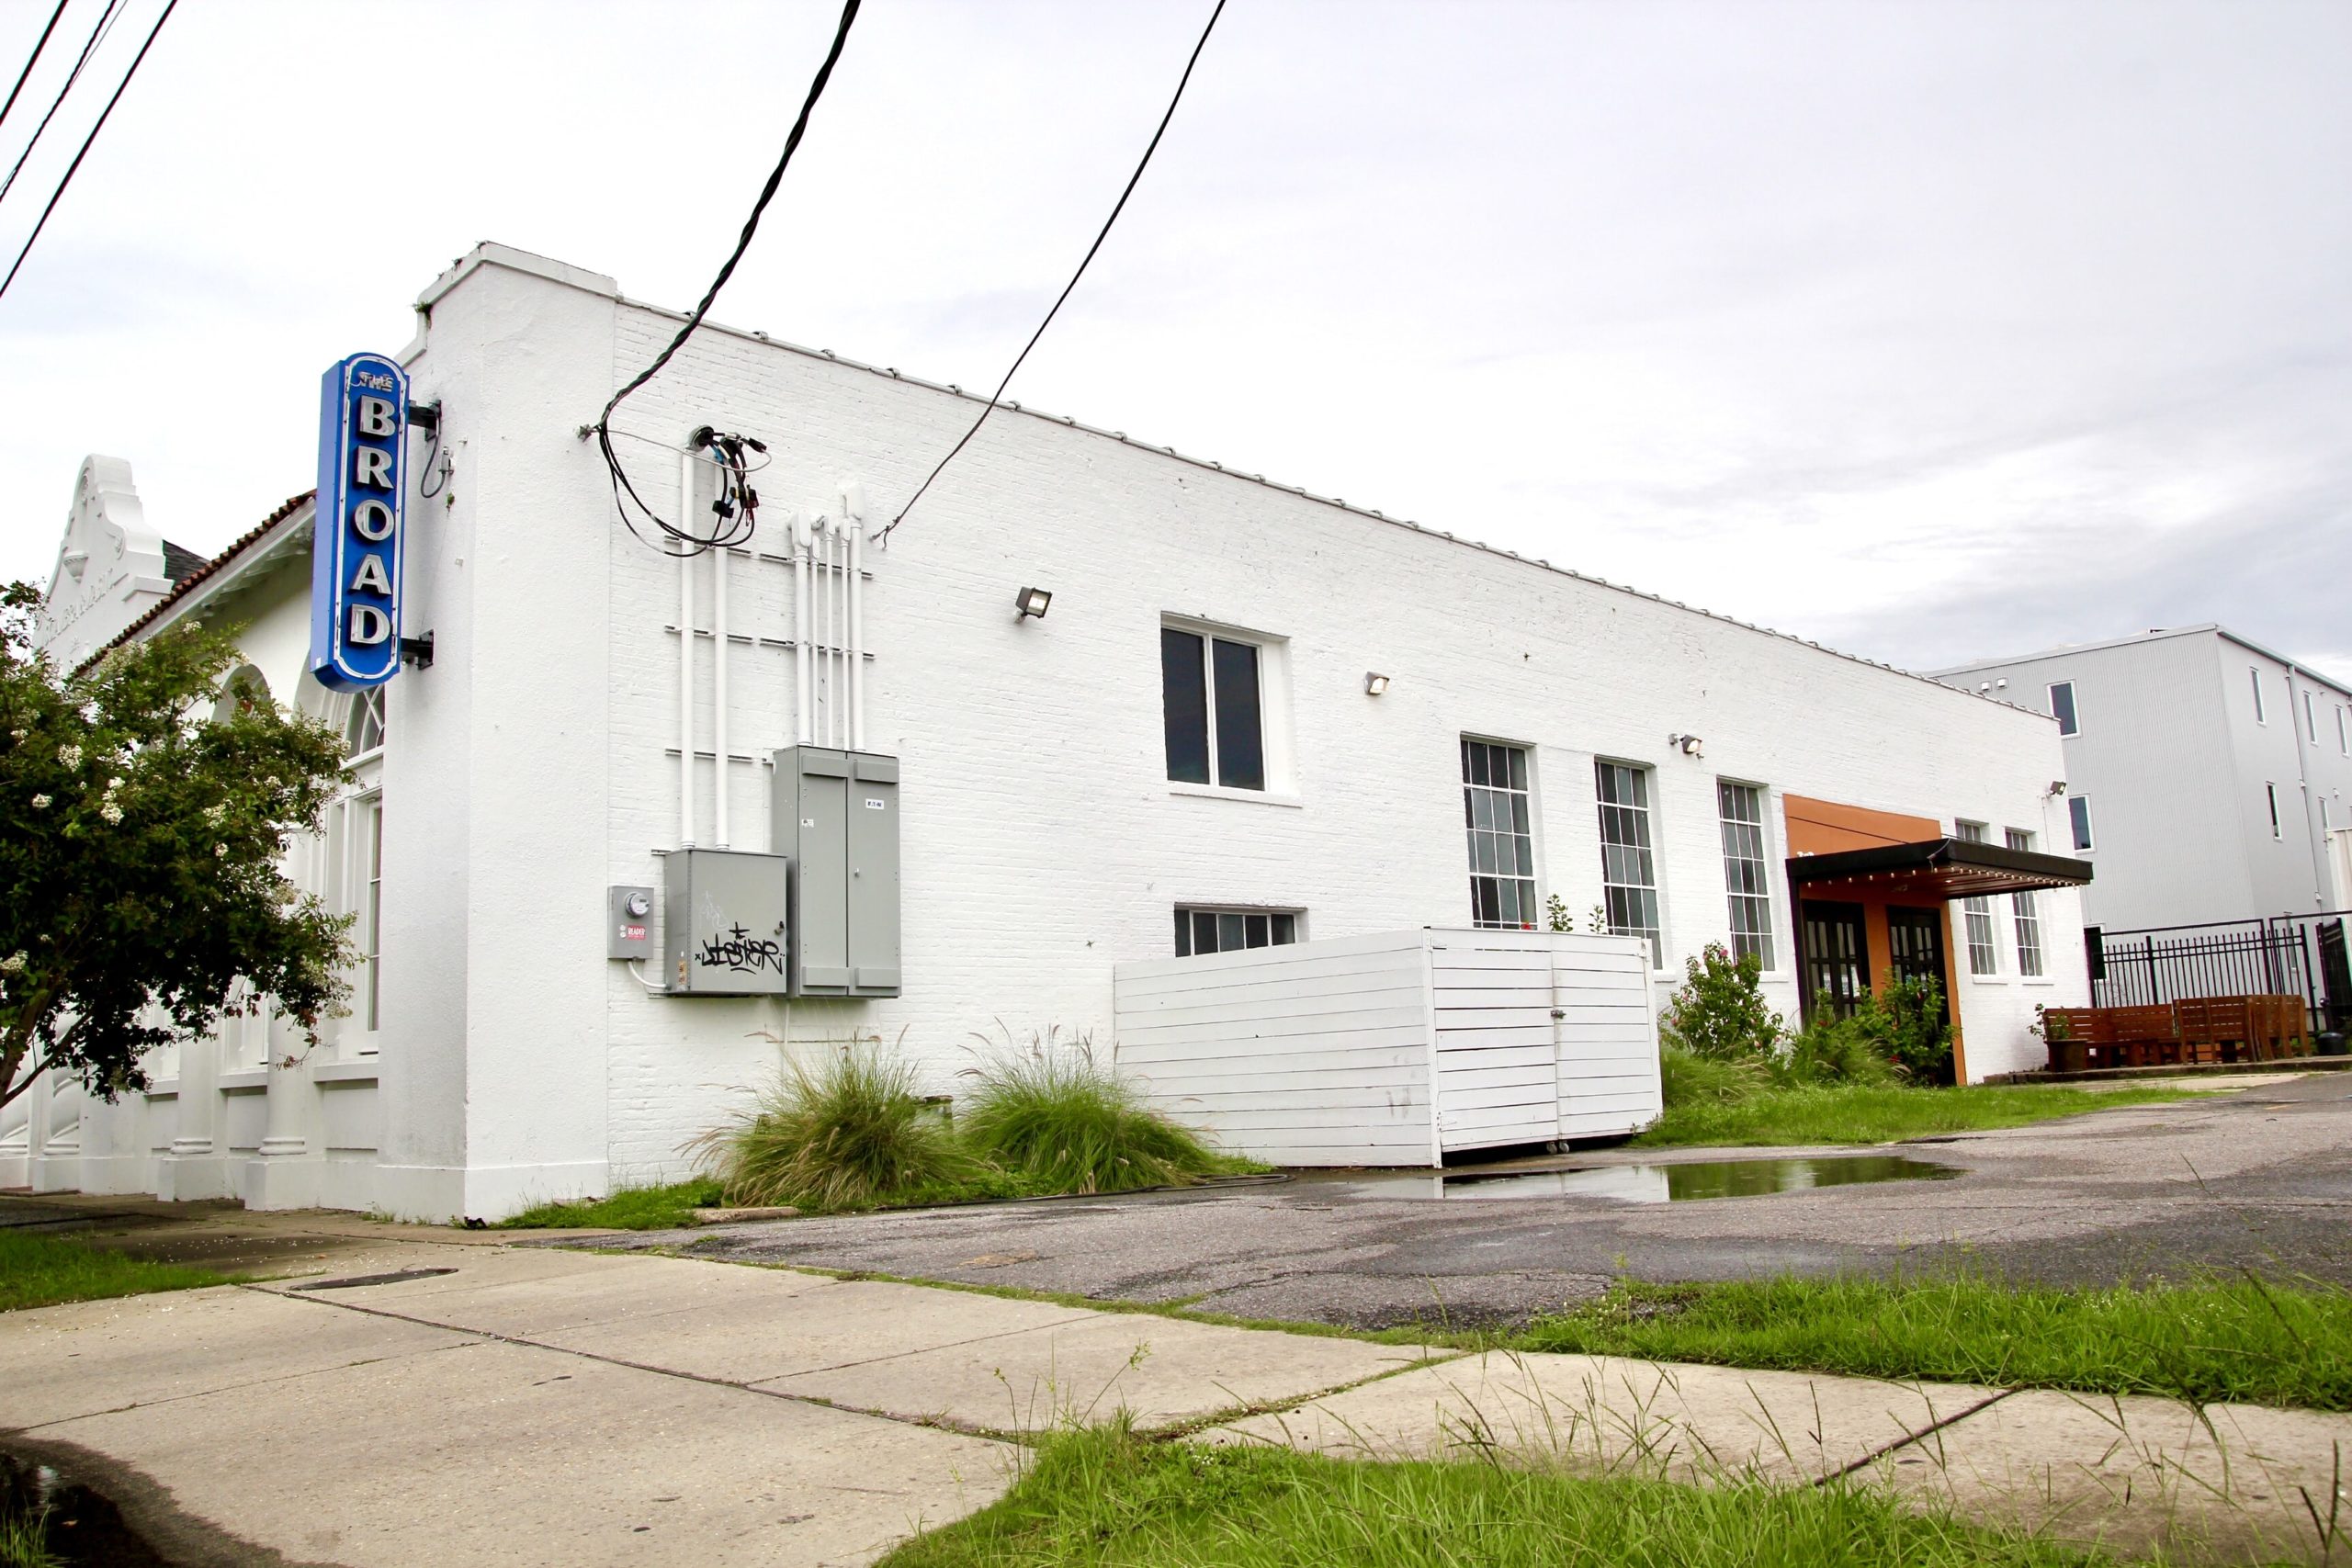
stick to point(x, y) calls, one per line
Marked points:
point(847, 1131)
point(1052, 1115)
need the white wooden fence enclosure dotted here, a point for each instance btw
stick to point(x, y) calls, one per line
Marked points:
point(1395, 1049)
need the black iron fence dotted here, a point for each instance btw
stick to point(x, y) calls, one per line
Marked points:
point(2303, 955)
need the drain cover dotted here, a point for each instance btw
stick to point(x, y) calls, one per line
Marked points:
point(357, 1280)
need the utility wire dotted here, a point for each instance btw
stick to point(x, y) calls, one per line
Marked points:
point(39, 44)
point(97, 35)
point(57, 194)
point(681, 539)
point(1116, 208)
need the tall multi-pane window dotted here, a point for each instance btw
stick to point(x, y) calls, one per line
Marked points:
point(1983, 951)
point(1741, 808)
point(2029, 916)
point(1628, 866)
point(1210, 700)
point(2061, 707)
point(1503, 838)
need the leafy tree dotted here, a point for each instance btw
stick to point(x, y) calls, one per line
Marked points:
point(146, 824)
point(1719, 1010)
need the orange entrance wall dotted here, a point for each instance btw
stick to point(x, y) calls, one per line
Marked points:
point(1825, 827)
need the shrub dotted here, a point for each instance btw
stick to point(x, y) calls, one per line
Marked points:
point(1688, 1079)
point(1719, 1011)
point(1914, 1030)
point(846, 1132)
point(1053, 1114)
point(1833, 1050)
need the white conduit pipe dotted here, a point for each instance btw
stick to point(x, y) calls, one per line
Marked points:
point(854, 518)
point(685, 661)
point(800, 672)
point(837, 707)
point(719, 693)
point(822, 545)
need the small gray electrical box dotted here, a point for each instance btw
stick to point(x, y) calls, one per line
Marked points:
point(726, 922)
point(628, 922)
point(837, 818)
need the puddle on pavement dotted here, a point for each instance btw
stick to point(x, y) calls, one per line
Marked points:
point(1686, 1181)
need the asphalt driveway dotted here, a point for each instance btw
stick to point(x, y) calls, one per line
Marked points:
point(2259, 1179)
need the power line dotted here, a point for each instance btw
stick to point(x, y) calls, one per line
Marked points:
point(59, 194)
point(1116, 208)
point(729, 531)
point(97, 35)
point(39, 44)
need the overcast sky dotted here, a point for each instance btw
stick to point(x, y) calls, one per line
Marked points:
point(1926, 331)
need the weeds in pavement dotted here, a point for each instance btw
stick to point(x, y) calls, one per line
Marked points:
point(41, 1270)
point(2239, 1341)
point(1863, 1113)
point(662, 1207)
point(1107, 1497)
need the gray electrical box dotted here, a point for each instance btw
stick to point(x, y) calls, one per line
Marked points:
point(837, 822)
point(628, 922)
point(726, 923)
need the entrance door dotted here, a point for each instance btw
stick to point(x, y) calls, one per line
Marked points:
point(1837, 957)
point(1914, 945)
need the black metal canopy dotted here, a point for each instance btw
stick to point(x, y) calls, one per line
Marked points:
point(1935, 868)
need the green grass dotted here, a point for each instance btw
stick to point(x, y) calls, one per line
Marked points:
point(1102, 1497)
point(1053, 1118)
point(43, 1270)
point(2224, 1340)
point(630, 1208)
point(24, 1539)
point(1868, 1113)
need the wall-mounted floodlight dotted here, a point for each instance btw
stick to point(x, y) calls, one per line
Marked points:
point(1374, 683)
point(1034, 602)
point(2057, 788)
point(1689, 744)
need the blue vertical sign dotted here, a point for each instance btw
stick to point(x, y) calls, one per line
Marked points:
point(356, 539)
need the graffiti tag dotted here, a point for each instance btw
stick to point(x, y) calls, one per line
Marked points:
point(741, 952)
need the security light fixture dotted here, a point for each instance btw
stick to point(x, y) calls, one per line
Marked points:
point(1034, 602)
point(1374, 683)
point(2057, 788)
point(1690, 744)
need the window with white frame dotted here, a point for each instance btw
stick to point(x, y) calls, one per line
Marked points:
point(1203, 929)
point(1984, 950)
point(2027, 913)
point(2061, 707)
point(2311, 718)
point(2253, 673)
point(1497, 810)
point(2078, 818)
point(1628, 860)
point(352, 848)
point(1212, 693)
point(2343, 732)
point(1740, 809)
point(2270, 796)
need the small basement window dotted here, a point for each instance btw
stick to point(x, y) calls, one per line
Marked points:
point(1199, 931)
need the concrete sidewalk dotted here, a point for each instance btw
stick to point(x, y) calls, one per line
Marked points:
point(439, 1397)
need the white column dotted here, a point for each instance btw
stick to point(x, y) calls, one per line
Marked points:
point(285, 1173)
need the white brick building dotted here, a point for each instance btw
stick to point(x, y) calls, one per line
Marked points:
point(504, 1059)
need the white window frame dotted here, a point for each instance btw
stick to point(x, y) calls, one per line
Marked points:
point(1270, 913)
point(2025, 916)
point(1733, 893)
point(2311, 717)
point(2074, 702)
point(2271, 794)
point(349, 866)
point(1534, 892)
point(2261, 712)
point(2083, 835)
point(1275, 735)
point(1647, 777)
point(2343, 732)
point(1976, 914)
